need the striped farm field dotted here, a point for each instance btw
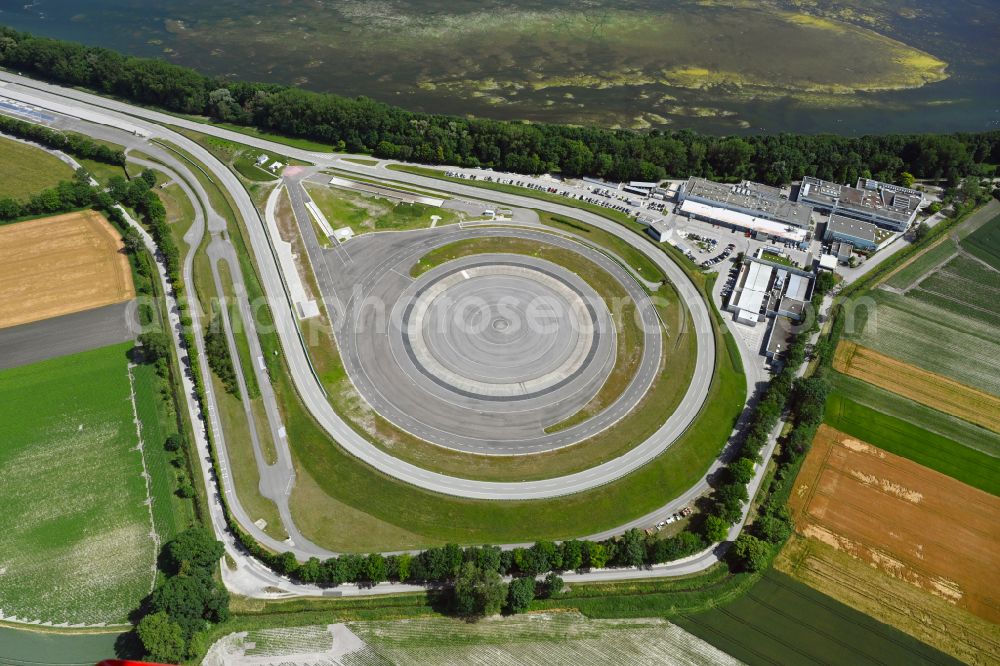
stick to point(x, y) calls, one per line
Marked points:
point(927, 388)
point(925, 616)
point(984, 242)
point(564, 638)
point(927, 421)
point(77, 545)
point(782, 621)
point(904, 438)
point(904, 520)
point(945, 339)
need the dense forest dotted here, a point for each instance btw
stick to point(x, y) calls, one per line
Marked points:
point(364, 125)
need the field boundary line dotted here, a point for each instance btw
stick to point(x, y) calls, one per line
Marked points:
point(153, 534)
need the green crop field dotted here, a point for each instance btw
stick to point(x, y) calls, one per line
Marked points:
point(76, 541)
point(364, 213)
point(937, 339)
point(782, 621)
point(906, 439)
point(905, 277)
point(927, 418)
point(549, 638)
point(26, 170)
point(984, 242)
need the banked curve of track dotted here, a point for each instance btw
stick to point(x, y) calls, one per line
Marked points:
point(81, 104)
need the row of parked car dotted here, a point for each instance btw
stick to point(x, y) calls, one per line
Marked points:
point(719, 257)
point(606, 197)
point(683, 513)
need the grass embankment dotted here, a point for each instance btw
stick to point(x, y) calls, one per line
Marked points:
point(76, 544)
point(327, 472)
point(365, 213)
point(895, 435)
point(782, 621)
point(26, 170)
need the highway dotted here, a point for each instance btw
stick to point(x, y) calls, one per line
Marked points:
point(122, 116)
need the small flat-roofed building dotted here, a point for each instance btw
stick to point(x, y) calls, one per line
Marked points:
point(657, 229)
point(751, 293)
point(778, 338)
point(861, 235)
point(843, 252)
point(262, 159)
point(750, 198)
point(884, 204)
point(828, 262)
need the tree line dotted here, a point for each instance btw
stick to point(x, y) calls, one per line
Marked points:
point(366, 126)
point(74, 144)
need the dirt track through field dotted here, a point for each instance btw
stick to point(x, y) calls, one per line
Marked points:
point(925, 387)
point(58, 265)
point(906, 520)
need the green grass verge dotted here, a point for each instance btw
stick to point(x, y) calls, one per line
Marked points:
point(910, 274)
point(171, 514)
point(26, 170)
point(782, 621)
point(922, 416)
point(363, 161)
point(365, 213)
point(76, 545)
point(911, 441)
point(984, 242)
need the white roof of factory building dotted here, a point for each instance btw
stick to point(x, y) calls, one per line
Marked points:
point(737, 219)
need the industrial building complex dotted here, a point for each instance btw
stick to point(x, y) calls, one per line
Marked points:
point(765, 289)
point(889, 206)
point(762, 210)
point(862, 235)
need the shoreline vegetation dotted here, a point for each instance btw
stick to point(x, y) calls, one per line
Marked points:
point(362, 125)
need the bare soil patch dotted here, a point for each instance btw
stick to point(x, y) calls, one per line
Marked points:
point(907, 521)
point(62, 264)
point(919, 385)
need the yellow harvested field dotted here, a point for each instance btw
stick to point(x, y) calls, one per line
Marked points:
point(903, 520)
point(919, 385)
point(895, 602)
point(58, 265)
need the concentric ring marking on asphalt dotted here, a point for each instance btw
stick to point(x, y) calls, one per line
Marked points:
point(503, 392)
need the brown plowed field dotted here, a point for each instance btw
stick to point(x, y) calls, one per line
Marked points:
point(58, 265)
point(906, 520)
point(925, 387)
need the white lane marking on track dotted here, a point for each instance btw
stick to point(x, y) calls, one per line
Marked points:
point(465, 274)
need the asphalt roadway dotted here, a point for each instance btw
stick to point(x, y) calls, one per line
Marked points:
point(251, 577)
point(401, 250)
point(110, 112)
